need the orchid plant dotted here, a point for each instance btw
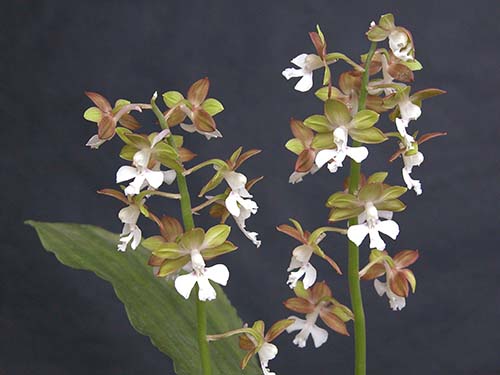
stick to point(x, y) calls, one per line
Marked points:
point(181, 255)
point(350, 121)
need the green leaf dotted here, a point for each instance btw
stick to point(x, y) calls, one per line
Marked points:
point(153, 306)
point(212, 106)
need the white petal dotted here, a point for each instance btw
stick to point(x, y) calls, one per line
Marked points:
point(135, 186)
point(397, 303)
point(267, 352)
point(310, 276)
point(141, 157)
point(357, 233)
point(297, 325)
point(137, 237)
point(385, 214)
point(292, 72)
point(129, 214)
point(206, 291)
point(294, 263)
point(389, 227)
point(94, 142)
point(190, 128)
point(293, 277)
point(303, 253)
point(231, 204)
point(300, 60)
point(169, 176)
point(126, 173)
point(160, 136)
point(409, 111)
point(296, 177)
point(154, 178)
point(235, 180)
point(324, 156)
point(379, 287)
point(410, 182)
point(305, 83)
point(185, 283)
point(218, 273)
point(319, 335)
point(358, 154)
point(376, 242)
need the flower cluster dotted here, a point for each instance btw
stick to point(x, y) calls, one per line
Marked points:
point(156, 159)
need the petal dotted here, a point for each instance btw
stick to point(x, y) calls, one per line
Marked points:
point(126, 173)
point(129, 214)
point(154, 178)
point(294, 263)
point(300, 60)
point(303, 253)
point(310, 277)
point(319, 335)
point(185, 283)
point(409, 111)
point(385, 214)
point(137, 236)
point(397, 303)
point(376, 242)
point(410, 182)
point(190, 128)
point(357, 233)
point(305, 83)
point(160, 136)
point(389, 227)
point(324, 156)
point(231, 204)
point(358, 154)
point(235, 180)
point(267, 352)
point(94, 142)
point(292, 72)
point(169, 176)
point(293, 277)
point(206, 291)
point(141, 158)
point(380, 287)
point(297, 325)
point(218, 273)
point(296, 177)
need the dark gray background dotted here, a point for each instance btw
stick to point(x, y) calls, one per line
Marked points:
point(54, 320)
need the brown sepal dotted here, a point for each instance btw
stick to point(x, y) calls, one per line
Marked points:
point(305, 161)
point(405, 258)
point(401, 73)
point(185, 154)
point(171, 228)
point(106, 127)
point(198, 91)
point(115, 194)
point(292, 232)
point(398, 283)
point(203, 121)
point(318, 44)
point(100, 101)
point(334, 322)
point(299, 305)
point(128, 121)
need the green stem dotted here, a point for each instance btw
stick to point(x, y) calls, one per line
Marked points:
point(353, 250)
point(187, 218)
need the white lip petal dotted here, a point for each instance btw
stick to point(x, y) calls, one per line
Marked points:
point(292, 72)
point(94, 142)
point(235, 180)
point(319, 335)
point(206, 291)
point(126, 173)
point(305, 83)
point(324, 156)
point(357, 233)
point(137, 236)
point(231, 204)
point(297, 325)
point(300, 60)
point(389, 227)
point(358, 154)
point(185, 283)
point(129, 214)
point(190, 128)
point(310, 276)
point(218, 273)
point(376, 242)
point(379, 287)
point(141, 157)
point(154, 178)
point(169, 176)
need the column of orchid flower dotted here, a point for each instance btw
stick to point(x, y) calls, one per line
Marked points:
point(351, 110)
point(179, 252)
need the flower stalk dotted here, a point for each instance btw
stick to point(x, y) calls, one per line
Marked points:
point(353, 250)
point(187, 218)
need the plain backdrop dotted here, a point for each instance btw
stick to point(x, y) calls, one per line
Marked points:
point(55, 320)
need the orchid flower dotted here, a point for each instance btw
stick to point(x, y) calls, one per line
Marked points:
point(131, 232)
point(307, 63)
point(373, 226)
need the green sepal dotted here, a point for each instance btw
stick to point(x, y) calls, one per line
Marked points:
point(300, 291)
point(413, 65)
point(377, 177)
point(170, 266)
point(371, 135)
point(394, 205)
point(212, 106)
point(337, 214)
point(323, 141)
point(377, 34)
point(212, 184)
point(122, 133)
point(92, 114)
point(217, 235)
point(168, 250)
point(171, 98)
point(370, 192)
point(393, 192)
point(295, 145)
point(322, 93)
point(337, 112)
point(365, 119)
point(153, 243)
point(342, 200)
point(127, 152)
point(192, 239)
point(387, 22)
point(318, 123)
point(224, 248)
